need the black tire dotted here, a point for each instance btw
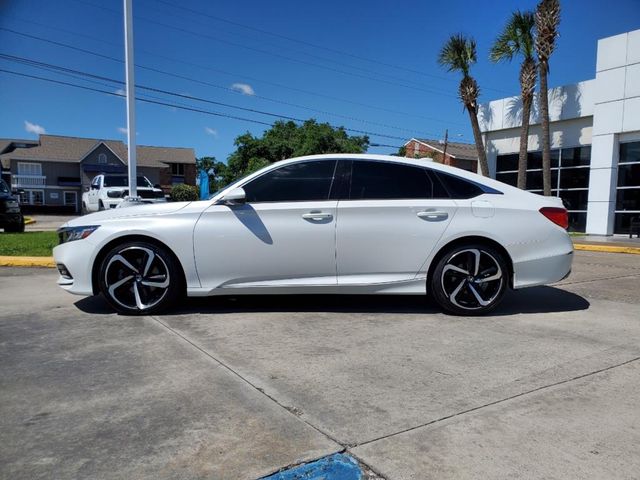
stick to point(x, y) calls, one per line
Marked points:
point(84, 209)
point(164, 272)
point(15, 227)
point(470, 279)
point(100, 205)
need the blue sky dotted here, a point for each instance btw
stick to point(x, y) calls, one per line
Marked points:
point(376, 69)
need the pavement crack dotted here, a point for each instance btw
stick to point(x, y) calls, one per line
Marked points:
point(289, 409)
point(496, 402)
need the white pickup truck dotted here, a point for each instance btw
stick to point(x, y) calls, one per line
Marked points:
point(108, 191)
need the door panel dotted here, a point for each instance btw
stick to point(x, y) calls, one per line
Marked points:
point(267, 244)
point(388, 240)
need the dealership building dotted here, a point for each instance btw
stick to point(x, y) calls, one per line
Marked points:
point(595, 140)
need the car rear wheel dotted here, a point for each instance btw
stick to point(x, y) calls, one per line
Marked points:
point(139, 278)
point(470, 279)
point(100, 205)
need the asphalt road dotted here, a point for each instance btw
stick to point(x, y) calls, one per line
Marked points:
point(547, 387)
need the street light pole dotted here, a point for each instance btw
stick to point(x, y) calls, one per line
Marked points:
point(131, 100)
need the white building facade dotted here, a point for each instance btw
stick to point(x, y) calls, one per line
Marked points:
point(595, 140)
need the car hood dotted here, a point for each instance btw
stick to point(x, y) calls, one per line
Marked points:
point(126, 212)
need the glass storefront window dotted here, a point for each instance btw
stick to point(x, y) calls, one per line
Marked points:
point(627, 199)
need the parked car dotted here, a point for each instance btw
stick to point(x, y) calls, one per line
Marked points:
point(325, 224)
point(108, 191)
point(11, 218)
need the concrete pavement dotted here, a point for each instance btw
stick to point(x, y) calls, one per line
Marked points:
point(547, 387)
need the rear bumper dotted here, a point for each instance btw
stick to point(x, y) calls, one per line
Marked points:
point(542, 271)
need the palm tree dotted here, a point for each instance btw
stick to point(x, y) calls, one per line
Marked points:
point(518, 38)
point(547, 21)
point(458, 54)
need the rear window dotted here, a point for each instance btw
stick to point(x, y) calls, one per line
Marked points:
point(459, 188)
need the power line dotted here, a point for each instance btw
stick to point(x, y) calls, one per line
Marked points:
point(202, 82)
point(284, 57)
point(183, 107)
point(200, 13)
point(231, 74)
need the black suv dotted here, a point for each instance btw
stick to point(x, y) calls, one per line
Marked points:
point(10, 217)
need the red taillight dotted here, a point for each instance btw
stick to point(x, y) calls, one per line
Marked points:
point(559, 216)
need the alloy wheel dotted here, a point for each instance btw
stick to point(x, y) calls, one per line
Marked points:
point(137, 278)
point(472, 279)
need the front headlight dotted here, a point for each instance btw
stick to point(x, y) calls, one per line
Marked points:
point(12, 203)
point(69, 234)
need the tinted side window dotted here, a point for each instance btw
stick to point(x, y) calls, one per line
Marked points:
point(297, 182)
point(380, 180)
point(459, 187)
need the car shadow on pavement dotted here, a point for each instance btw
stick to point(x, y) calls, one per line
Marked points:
point(530, 300)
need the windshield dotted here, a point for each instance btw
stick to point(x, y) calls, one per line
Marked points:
point(123, 181)
point(3, 187)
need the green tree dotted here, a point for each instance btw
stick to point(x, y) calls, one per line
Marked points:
point(216, 180)
point(517, 38)
point(285, 140)
point(547, 22)
point(184, 193)
point(457, 55)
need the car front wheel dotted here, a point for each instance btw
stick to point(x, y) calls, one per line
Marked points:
point(470, 280)
point(139, 278)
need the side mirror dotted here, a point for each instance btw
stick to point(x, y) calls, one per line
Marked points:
point(157, 185)
point(234, 197)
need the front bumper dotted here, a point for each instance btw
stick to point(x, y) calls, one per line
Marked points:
point(77, 257)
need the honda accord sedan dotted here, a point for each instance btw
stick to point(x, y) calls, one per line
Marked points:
point(324, 224)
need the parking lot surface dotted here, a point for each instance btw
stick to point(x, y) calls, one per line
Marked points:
point(238, 388)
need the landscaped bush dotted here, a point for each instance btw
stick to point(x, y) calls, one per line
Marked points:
point(184, 193)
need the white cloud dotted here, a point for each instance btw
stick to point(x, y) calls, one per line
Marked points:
point(211, 131)
point(243, 88)
point(34, 128)
point(120, 91)
point(123, 130)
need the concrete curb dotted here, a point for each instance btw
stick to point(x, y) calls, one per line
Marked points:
point(27, 262)
point(606, 248)
point(29, 221)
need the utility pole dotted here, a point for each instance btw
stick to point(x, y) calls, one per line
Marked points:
point(131, 100)
point(444, 150)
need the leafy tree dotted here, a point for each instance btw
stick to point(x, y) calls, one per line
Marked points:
point(547, 21)
point(517, 38)
point(285, 140)
point(457, 55)
point(206, 164)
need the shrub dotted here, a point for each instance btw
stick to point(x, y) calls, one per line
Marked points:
point(184, 193)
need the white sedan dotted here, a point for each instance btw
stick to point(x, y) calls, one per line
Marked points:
point(347, 224)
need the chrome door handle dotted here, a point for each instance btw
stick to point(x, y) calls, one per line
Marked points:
point(433, 214)
point(317, 216)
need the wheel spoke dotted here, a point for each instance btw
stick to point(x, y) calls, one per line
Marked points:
point(139, 304)
point(125, 262)
point(455, 269)
point(150, 257)
point(455, 293)
point(480, 300)
point(119, 283)
point(163, 284)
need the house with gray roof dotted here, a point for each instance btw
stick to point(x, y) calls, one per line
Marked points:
point(461, 155)
point(53, 171)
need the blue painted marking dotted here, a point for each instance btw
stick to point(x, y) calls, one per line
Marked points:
point(334, 467)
